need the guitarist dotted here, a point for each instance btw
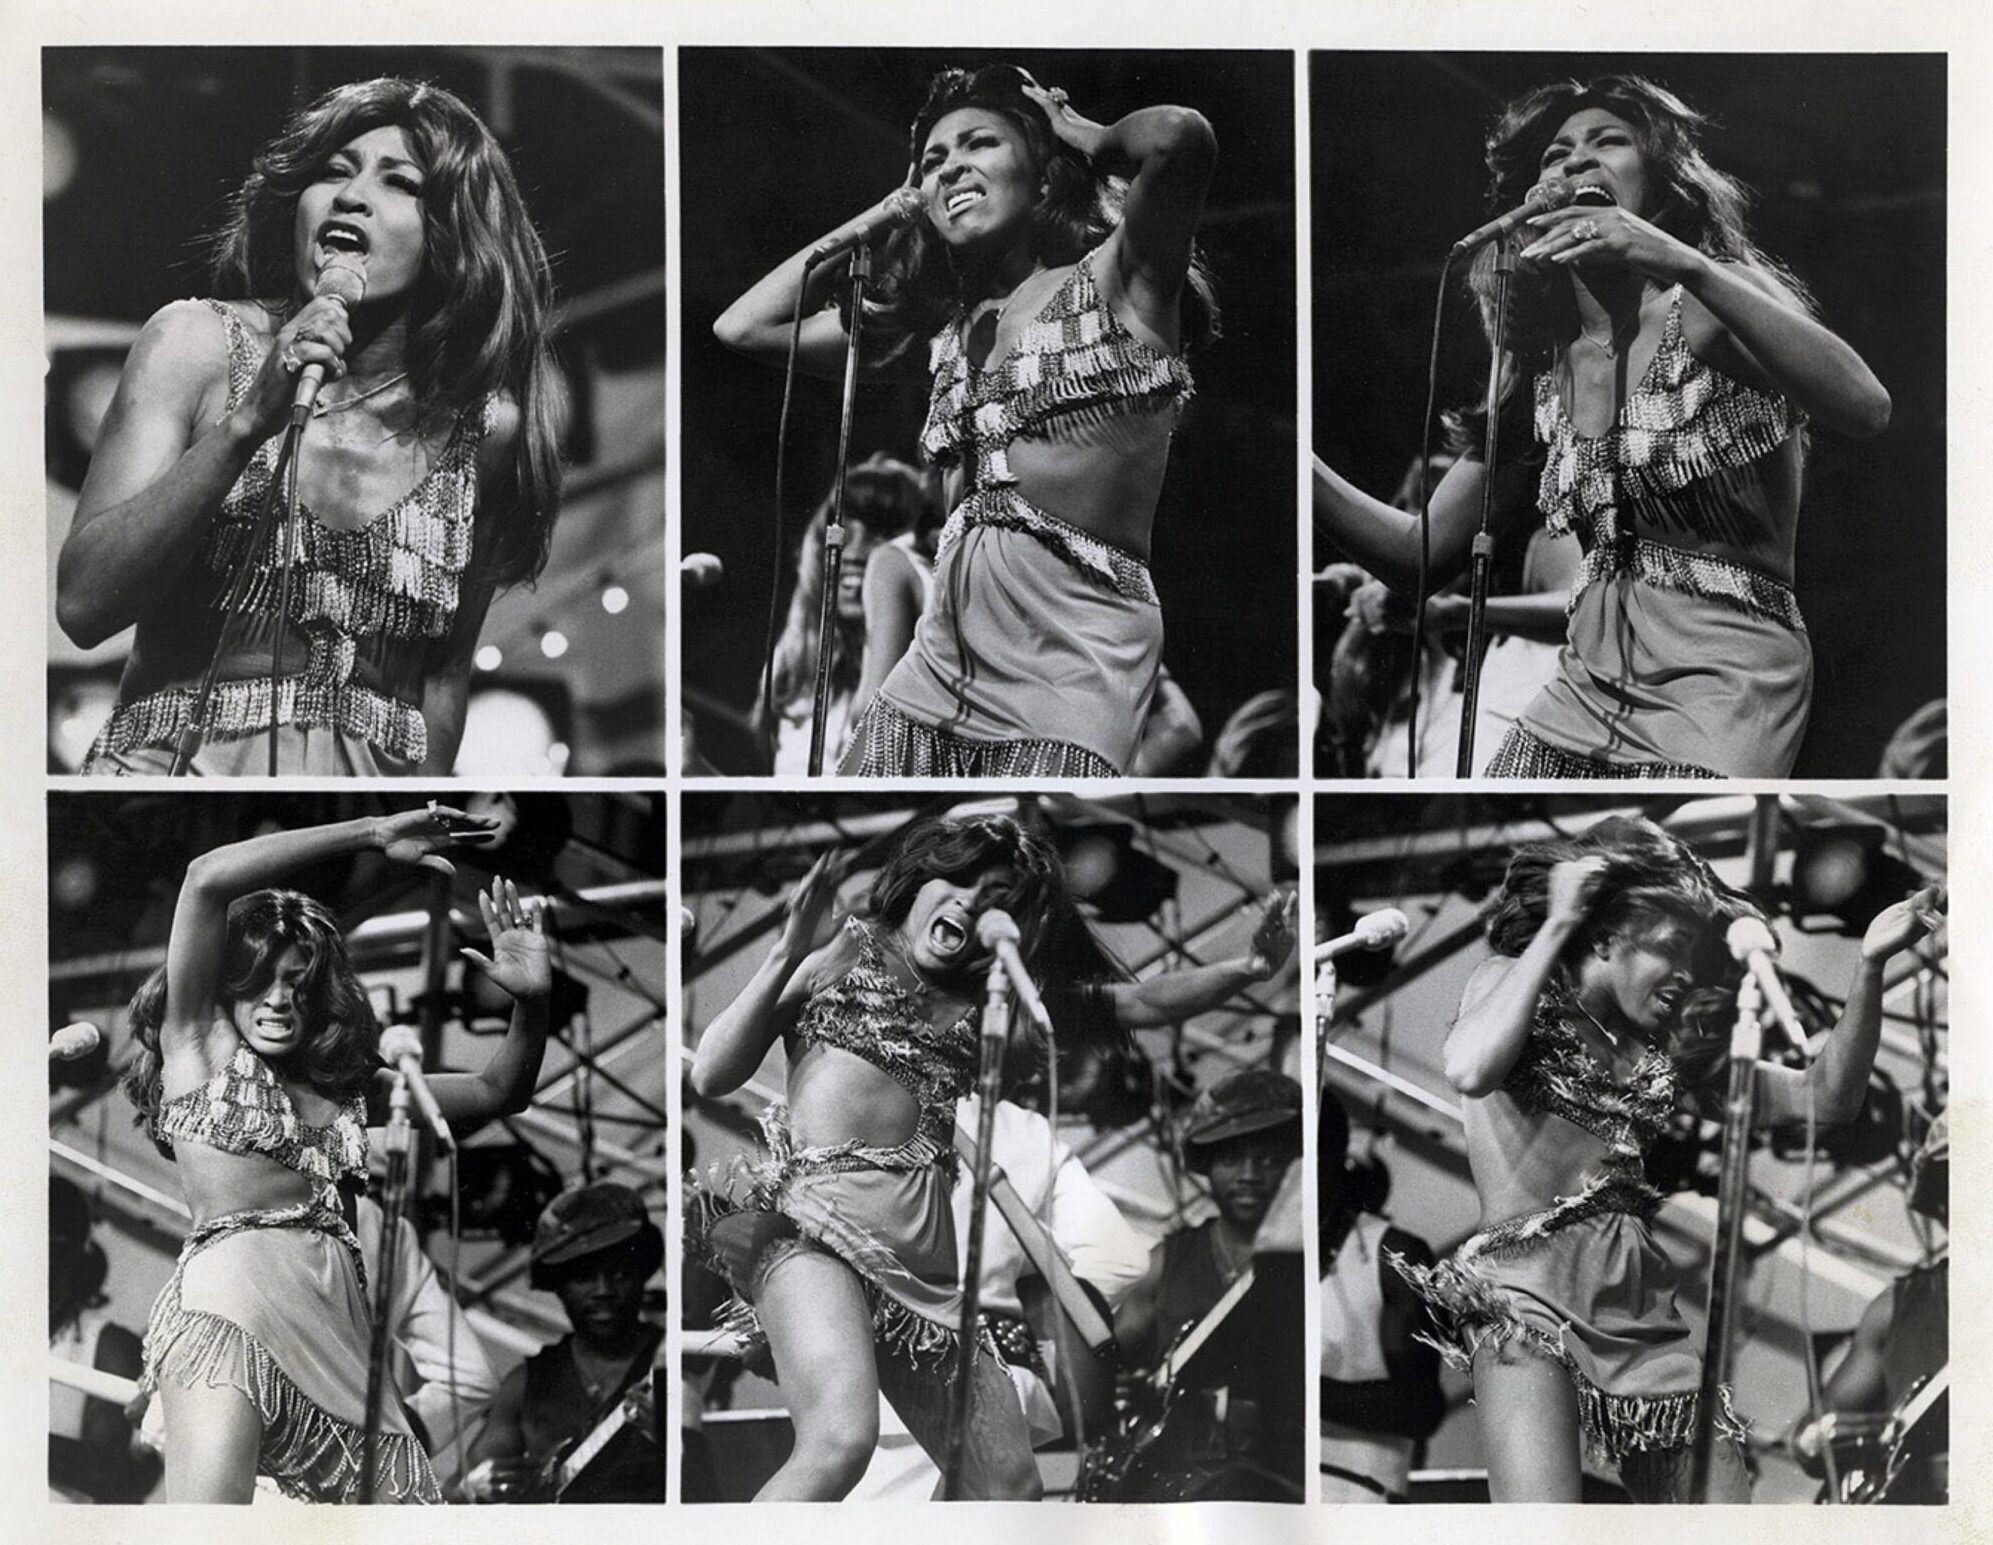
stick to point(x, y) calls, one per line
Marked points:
point(1899, 1346)
point(1242, 1134)
point(595, 1247)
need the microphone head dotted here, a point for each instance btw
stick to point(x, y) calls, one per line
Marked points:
point(74, 1041)
point(1380, 929)
point(700, 571)
point(344, 275)
point(1553, 192)
point(903, 206)
point(995, 927)
point(1750, 935)
point(399, 1042)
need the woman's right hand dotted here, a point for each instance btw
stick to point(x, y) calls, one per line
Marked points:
point(810, 901)
point(1574, 885)
point(320, 334)
point(420, 837)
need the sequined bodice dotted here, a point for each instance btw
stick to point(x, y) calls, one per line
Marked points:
point(244, 1109)
point(365, 604)
point(1075, 362)
point(1558, 1075)
point(1682, 456)
point(868, 1013)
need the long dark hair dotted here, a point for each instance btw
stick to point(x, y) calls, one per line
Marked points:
point(1649, 874)
point(959, 849)
point(1696, 203)
point(480, 317)
point(341, 1037)
point(919, 288)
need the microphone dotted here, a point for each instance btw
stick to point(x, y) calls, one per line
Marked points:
point(1551, 193)
point(700, 571)
point(345, 276)
point(996, 931)
point(73, 1042)
point(1373, 931)
point(900, 207)
point(1752, 945)
point(401, 1048)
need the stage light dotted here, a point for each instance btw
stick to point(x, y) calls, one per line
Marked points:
point(615, 600)
point(1118, 882)
point(1842, 870)
point(505, 732)
point(553, 643)
point(488, 657)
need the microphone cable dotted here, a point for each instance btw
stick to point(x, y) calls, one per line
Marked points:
point(1425, 519)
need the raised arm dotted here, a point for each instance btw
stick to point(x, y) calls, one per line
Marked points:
point(1499, 1005)
point(1837, 1079)
point(765, 1010)
point(1385, 539)
point(1168, 153)
point(517, 963)
point(1759, 318)
point(168, 456)
point(1174, 996)
point(758, 323)
point(219, 876)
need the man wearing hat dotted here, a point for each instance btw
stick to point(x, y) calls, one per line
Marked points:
point(594, 1248)
point(1223, 1438)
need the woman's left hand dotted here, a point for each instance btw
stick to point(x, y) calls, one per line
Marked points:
point(1897, 928)
point(1587, 234)
point(422, 836)
point(1273, 940)
point(1071, 128)
point(518, 959)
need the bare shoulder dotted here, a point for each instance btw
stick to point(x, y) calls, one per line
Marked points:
point(1486, 977)
point(183, 342)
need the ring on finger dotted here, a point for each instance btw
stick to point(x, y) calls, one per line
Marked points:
point(1058, 96)
point(290, 361)
point(1586, 230)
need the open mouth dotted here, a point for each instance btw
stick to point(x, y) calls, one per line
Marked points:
point(1593, 195)
point(961, 199)
point(340, 236)
point(948, 934)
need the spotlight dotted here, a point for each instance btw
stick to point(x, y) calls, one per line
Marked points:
point(615, 599)
point(1842, 871)
point(1119, 882)
point(553, 643)
point(488, 657)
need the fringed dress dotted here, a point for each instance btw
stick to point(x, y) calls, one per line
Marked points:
point(1679, 661)
point(369, 608)
point(1583, 1281)
point(271, 1302)
point(1040, 651)
point(884, 1211)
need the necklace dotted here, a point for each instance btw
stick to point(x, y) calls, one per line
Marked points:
point(321, 406)
point(1609, 345)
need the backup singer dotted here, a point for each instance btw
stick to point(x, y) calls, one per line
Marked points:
point(1056, 303)
point(1605, 1006)
point(428, 478)
point(1667, 368)
point(254, 1069)
point(842, 1239)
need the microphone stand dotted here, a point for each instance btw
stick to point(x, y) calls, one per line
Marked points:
point(989, 1089)
point(194, 734)
point(1746, 1042)
point(399, 1141)
point(1484, 543)
point(833, 534)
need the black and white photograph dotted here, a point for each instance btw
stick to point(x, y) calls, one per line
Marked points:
point(989, 413)
point(1713, 540)
point(994, 1142)
point(387, 498)
point(357, 1147)
point(1634, 1153)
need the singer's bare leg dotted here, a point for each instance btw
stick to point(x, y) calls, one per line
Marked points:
point(819, 1328)
point(212, 1437)
point(1529, 1426)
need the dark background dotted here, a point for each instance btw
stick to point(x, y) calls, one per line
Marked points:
point(782, 145)
point(1845, 155)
